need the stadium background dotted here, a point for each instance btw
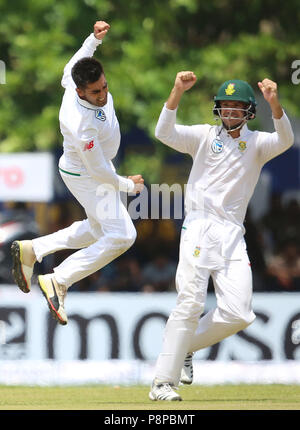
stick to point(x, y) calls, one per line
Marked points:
point(130, 299)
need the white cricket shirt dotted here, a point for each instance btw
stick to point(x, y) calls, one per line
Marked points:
point(225, 170)
point(91, 133)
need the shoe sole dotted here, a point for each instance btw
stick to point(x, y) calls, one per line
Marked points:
point(185, 382)
point(51, 307)
point(17, 267)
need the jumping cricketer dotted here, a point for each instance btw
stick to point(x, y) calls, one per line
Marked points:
point(91, 135)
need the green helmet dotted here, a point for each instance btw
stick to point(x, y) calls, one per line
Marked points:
point(238, 90)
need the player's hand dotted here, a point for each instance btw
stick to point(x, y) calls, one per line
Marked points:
point(100, 29)
point(185, 80)
point(138, 183)
point(269, 90)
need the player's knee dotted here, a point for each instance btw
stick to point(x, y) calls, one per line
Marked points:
point(248, 319)
point(195, 311)
point(188, 311)
point(240, 320)
point(124, 241)
point(242, 323)
point(130, 238)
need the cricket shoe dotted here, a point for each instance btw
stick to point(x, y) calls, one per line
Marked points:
point(187, 371)
point(55, 295)
point(163, 391)
point(23, 261)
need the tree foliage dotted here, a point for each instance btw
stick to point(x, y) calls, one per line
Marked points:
point(149, 42)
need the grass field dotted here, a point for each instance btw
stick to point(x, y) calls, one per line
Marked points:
point(225, 397)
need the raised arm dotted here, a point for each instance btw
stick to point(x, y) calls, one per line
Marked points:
point(183, 138)
point(183, 82)
point(87, 50)
point(273, 144)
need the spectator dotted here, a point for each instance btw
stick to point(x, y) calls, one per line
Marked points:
point(292, 219)
point(283, 269)
point(155, 234)
point(127, 275)
point(160, 273)
point(101, 280)
point(274, 220)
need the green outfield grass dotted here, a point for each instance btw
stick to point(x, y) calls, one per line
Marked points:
point(225, 397)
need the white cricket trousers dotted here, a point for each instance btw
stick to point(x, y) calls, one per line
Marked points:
point(106, 233)
point(232, 280)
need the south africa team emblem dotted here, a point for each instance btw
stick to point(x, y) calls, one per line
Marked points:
point(217, 146)
point(196, 251)
point(100, 114)
point(242, 145)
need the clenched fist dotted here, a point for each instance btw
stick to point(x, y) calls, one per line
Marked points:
point(185, 80)
point(138, 183)
point(100, 29)
point(269, 91)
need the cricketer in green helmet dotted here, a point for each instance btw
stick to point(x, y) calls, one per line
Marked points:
point(239, 96)
point(227, 161)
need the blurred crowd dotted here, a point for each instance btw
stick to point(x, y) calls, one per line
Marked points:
point(273, 244)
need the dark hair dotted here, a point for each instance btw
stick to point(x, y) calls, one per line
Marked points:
point(86, 71)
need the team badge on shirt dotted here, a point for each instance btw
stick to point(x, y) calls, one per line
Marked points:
point(196, 251)
point(217, 146)
point(242, 145)
point(100, 114)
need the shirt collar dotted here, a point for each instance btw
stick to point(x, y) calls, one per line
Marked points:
point(243, 132)
point(86, 104)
